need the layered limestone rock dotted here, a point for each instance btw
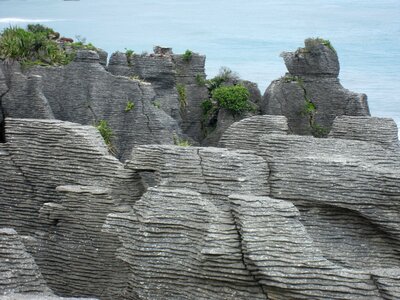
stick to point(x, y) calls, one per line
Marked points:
point(174, 80)
point(76, 257)
point(346, 188)
point(311, 95)
point(369, 129)
point(84, 92)
point(246, 133)
point(20, 277)
point(185, 224)
point(40, 159)
point(19, 272)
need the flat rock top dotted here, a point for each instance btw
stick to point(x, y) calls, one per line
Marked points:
point(82, 189)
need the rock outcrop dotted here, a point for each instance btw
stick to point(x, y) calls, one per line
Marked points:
point(84, 92)
point(311, 95)
point(173, 78)
point(58, 185)
point(272, 215)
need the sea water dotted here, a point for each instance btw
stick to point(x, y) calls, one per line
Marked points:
point(246, 36)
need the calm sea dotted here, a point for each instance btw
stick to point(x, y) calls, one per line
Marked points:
point(246, 36)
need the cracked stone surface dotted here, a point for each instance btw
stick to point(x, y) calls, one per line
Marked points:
point(317, 66)
point(166, 71)
point(84, 92)
point(58, 185)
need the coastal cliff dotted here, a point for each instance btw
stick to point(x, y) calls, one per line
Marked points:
point(298, 198)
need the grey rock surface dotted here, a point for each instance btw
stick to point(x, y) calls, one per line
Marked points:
point(168, 73)
point(318, 57)
point(84, 92)
point(312, 77)
point(19, 272)
point(247, 132)
point(225, 119)
point(283, 258)
point(25, 98)
point(75, 257)
point(369, 129)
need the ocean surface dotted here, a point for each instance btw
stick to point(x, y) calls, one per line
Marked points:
point(246, 36)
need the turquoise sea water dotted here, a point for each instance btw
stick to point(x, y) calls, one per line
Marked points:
point(246, 36)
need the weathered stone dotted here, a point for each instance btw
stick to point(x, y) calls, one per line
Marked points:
point(188, 72)
point(310, 95)
point(316, 58)
point(246, 133)
point(76, 257)
point(84, 92)
point(25, 98)
point(369, 129)
point(174, 81)
point(188, 242)
point(212, 171)
point(44, 154)
point(283, 258)
point(18, 270)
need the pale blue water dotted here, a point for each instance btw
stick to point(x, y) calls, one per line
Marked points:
point(246, 36)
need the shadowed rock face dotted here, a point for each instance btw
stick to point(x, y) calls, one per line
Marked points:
point(84, 92)
point(20, 274)
point(312, 78)
point(171, 76)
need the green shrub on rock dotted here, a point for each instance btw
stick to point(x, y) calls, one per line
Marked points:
point(234, 98)
point(32, 46)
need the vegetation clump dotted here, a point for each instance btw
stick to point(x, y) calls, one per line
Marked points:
point(129, 54)
point(181, 142)
point(129, 106)
point(312, 42)
point(35, 45)
point(233, 98)
point(106, 132)
point(182, 95)
point(187, 56)
point(39, 45)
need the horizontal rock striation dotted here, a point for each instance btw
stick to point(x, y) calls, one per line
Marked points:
point(310, 95)
point(283, 257)
point(76, 257)
point(174, 79)
point(18, 270)
point(84, 92)
point(346, 189)
point(179, 245)
point(368, 129)
point(246, 133)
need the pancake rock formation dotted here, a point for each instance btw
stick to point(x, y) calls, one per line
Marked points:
point(310, 94)
point(268, 214)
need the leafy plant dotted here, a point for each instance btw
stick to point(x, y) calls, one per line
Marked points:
point(157, 104)
point(129, 106)
point(32, 47)
point(187, 56)
point(39, 28)
point(129, 54)
point(234, 98)
point(182, 95)
point(200, 80)
point(105, 131)
point(181, 142)
point(207, 105)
